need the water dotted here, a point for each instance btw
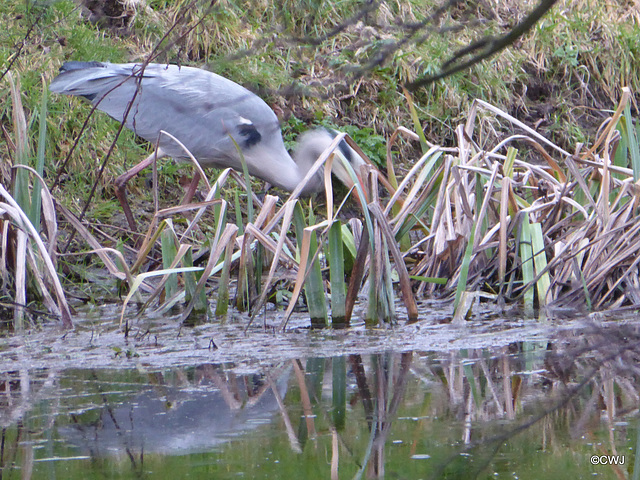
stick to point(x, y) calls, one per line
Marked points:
point(527, 401)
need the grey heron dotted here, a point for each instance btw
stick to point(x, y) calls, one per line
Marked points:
point(211, 115)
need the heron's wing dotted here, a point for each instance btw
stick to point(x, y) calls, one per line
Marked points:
point(203, 110)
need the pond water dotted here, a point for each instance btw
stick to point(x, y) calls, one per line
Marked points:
point(522, 401)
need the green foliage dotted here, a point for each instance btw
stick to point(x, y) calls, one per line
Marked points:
point(336, 264)
point(291, 130)
point(314, 286)
point(567, 55)
point(629, 144)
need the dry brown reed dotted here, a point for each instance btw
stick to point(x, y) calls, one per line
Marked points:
point(556, 229)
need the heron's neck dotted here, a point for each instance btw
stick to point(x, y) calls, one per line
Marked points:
point(303, 161)
point(286, 173)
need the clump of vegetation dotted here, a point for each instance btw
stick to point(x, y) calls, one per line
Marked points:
point(463, 220)
point(24, 258)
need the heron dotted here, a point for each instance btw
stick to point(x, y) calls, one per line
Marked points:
point(216, 119)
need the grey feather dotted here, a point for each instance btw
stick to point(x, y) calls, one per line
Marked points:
point(202, 110)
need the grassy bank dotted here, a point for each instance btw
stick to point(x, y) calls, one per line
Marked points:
point(575, 60)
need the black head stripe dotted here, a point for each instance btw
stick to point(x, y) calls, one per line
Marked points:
point(250, 133)
point(344, 148)
point(346, 151)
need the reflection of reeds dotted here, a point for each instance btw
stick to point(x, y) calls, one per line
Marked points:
point(473, 411)
point(545, 388)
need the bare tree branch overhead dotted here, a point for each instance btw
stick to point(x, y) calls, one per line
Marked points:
point(377, 36)
point(485, 47)
point(386, 40)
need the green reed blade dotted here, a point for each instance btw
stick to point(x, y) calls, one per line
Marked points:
point(540, 262)
point(169, 251)
point(526, 253)
point(36, 203)
point(464, 269)
point(222, 305)
point(313, 286)
point(632, 142)
point(336, 270)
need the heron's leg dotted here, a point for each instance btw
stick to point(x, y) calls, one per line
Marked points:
point(121, 186)
point(191, 191)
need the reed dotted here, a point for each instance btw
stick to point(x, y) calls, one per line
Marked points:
point(465, 222)
point(32, 274)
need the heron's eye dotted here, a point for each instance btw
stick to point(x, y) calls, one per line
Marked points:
point(250, 133)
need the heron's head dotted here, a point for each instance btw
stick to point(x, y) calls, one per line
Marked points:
point(314, 143)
